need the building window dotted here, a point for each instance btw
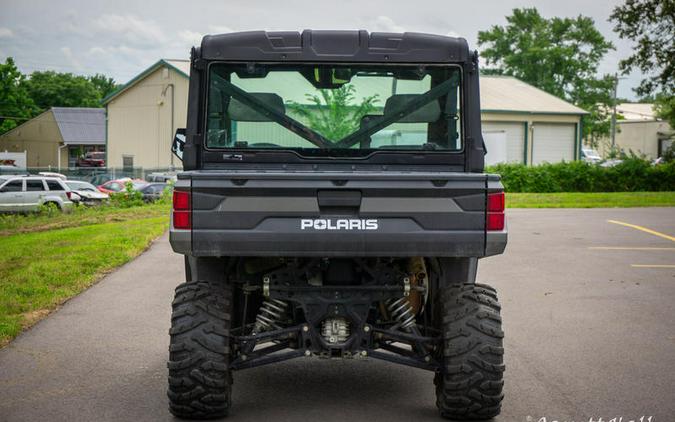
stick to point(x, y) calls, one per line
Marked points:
point(127, 162)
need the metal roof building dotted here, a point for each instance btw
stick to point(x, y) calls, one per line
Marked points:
point(521, 123)
point(639, 130)
point(143, 115)
point(57, 137)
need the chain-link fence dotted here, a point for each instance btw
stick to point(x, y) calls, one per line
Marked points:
point(98, 175)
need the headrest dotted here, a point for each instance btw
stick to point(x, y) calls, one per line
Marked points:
point(243, 113)
point(428, 113)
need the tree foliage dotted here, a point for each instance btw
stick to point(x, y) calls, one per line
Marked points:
point(105, 85)
point(16, 105)
point(651, 25)
point(54, 89)
point(332, 112)
point(558, 55)
point(22, 97)
point(664, 105)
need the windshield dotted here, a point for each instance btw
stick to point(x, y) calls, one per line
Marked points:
point(334, 110)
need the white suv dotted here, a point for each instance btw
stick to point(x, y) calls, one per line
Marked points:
point(28, 193)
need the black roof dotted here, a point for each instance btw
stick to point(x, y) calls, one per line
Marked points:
point(334, 46)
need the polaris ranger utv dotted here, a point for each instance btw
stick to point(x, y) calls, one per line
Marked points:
point(334, 205)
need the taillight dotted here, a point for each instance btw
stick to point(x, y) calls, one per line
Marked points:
point(69, 194)
point(182, 210)
point(495, 211)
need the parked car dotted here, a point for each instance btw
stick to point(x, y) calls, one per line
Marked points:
point(153, 191)
point(101, 178)
point(92, 159)
point(161, 177)
point(590, 155)
point(86, 193)
point(28, 193)
point(611, 162)
point(118, 185)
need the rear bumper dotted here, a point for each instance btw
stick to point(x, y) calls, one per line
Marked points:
point(253, 243)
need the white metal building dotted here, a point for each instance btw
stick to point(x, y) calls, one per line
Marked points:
point(638, 130)
point(523, 124)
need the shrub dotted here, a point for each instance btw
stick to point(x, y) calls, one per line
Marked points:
point(633, 174)
point(127, 198)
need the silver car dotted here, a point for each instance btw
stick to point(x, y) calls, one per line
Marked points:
point(28, 193)
point(86, 192)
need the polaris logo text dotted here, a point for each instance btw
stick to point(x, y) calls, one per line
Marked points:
point(339, 224)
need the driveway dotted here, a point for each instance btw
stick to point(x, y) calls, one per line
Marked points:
point(588, 305)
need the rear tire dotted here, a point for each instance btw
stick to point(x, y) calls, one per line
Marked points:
point(469, 384)
point(200, 379)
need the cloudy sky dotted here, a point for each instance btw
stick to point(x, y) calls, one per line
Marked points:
point(120, 38)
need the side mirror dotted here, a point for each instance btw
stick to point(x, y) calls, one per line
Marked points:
point(178, 143)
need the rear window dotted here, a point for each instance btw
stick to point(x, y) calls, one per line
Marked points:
point(35, 185)
point(13, 186)
point(154, 189)
point(334, 110)
point(54, 185)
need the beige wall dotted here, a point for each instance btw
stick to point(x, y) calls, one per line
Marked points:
point(639, 136)
point(40, 138)
point(531, 120)
point(139, 120)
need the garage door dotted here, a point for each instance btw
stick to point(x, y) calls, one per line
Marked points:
point(552, 143)
point(495, 144)
point(515, 138)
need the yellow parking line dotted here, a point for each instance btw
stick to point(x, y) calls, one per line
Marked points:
point(652, 266)
point(644, 229)
point(628, 248)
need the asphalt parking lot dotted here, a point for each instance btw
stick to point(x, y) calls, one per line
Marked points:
point(588, 308)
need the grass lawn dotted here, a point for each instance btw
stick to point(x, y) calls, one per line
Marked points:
point(80, 216)
point(590, 200)
point(41, 268)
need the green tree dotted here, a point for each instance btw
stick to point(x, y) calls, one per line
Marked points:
point(332, 113)
point(105, 85)
point(664, 106)
point(650, 24)
point(54, 89)
point(558, 55)
point(16, 105)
